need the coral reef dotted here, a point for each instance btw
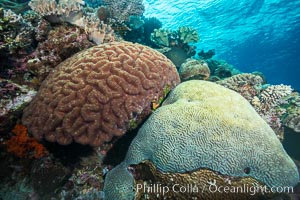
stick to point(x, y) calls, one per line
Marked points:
point(86, 182)
point(178, 42)
point(194, 69)
point(293, 121)
point(169, 38)
point(271, 96)
point(13, 99)
point(187, 35)
point(135, 22)
point(264, 98)
point(122, 10)
point(64, 8)
point(16, 41)
point(15, 5)
point(191, 185)
point(62, 42)
point(248, 85)
point(46, 175)
point(15, 31)
point(73, 13)
point(93, 3)
point(141, 30)
point(149, 25)
point(220, 69)
point(206, 55)
point(193, 129)
point(23, 146)
point(96, 94)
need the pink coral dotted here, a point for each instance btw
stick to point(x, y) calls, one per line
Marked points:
point(99, 94)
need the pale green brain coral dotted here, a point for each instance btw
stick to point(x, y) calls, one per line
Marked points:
point(204, 125)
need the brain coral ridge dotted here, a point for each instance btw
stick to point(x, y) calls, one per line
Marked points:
point(98, 93)
point(205, 125)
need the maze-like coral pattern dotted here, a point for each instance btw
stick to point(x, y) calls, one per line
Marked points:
point(99, 93)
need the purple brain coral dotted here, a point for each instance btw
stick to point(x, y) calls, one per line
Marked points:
point(99, 93)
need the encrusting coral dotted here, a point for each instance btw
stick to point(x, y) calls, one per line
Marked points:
point(23, 146)
point(271, 96)
point(98, 93)
point(204, 125)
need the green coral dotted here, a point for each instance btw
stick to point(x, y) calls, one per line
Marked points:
point(169, 38)
point(204, 125)
point(188, 34)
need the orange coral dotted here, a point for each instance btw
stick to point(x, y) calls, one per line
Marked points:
point(24, 146)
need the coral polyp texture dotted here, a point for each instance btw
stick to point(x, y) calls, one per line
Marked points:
point(204, 125)
point(99, 93)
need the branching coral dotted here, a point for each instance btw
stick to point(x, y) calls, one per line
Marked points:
point(270, 101)
point(272, 95)
point(23, 146)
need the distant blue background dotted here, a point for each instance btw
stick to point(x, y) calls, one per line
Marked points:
point(252, 35)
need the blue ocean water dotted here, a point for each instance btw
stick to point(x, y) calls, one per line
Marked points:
point(252, 35)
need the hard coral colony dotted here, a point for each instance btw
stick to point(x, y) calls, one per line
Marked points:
point(89, 88)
